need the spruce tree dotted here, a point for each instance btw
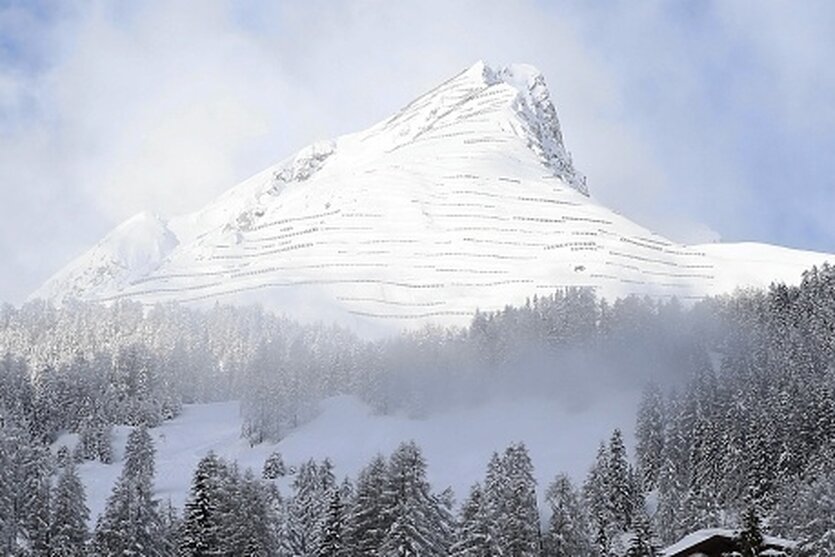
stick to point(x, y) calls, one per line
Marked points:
point(333, 540)
point(131, 524)
point(472, 536)
point(306, 509)
point(596, 498)
point(751, 536)
point(33, 501)
point(619, 484)
point(8, 491)
point(68, 525)
point(495, 487)
point(202, 521)
point(806, 513)
point(416, 527)
point(568, 531)
point(518, 529)
point(447, 523)
point(649, 435)
point(94, 442)
point(171, 528)
point(253, 533)
point(368, 518)
point(274, 467)
point(642, 541)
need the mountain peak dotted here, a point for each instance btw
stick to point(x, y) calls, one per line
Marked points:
point(520, 76)
point(481, 99)
point(464, 199)
point(535, 107)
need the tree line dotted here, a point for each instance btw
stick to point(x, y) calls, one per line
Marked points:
point(389, 509)
point(739, 417)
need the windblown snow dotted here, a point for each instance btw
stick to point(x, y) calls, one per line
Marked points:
point(467, 198)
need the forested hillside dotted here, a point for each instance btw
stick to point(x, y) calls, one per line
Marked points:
point(738, 420)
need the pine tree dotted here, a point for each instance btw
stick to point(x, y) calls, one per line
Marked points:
point(171, 528)
point(447, 523)
point(751, 536)
point(68, 526)
point(649, 434)
point(596, 497)
point(274, 467)
point(568, 533)
point(33, 499)
point(8, 490)
point(313, 486)
point(416, 527)
point(278, 518)
point(472, 536)
point(806, 513)
point(131, 524)
point(495, 487)
point(518, 520)
point(672, 480)
point(202, 523)
point(94, 441)
point(642, 540)
point(619, 484)
point(368, 519)
point(252, 533)
point(333, 542)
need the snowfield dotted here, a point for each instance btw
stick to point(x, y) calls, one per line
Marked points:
point(457, 444)
point(467, 198)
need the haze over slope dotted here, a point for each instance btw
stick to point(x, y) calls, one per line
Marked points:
point(467, 198)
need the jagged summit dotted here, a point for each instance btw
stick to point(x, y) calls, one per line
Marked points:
point(522, 102)
point(466, 198)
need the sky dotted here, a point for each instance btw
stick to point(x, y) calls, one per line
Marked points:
point(701, 120)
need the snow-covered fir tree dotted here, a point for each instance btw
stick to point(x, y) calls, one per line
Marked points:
point(416, 524)
point(131, 524)
point(642, 541)
point(33, 497)
point(202, 526)
point(649, 436)
point(368, 517)
point(274, 467)
point(252, 515)
point(312, 489)
point(68, 533)
point(517, 522)
point(620, 484)
point(751, 535)
point(807, 513)
point(753, 421)
point(568, 532)
point(472, 536)
point(334, 542)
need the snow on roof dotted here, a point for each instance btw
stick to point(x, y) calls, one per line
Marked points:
point(700, 536)
point(773, 541)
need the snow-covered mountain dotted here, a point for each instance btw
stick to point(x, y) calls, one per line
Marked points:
point(467, 198)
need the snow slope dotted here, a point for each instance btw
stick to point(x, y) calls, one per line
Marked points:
point(457, 444)
point(465, 199)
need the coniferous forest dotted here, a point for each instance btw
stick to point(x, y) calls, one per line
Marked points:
point(735, 429)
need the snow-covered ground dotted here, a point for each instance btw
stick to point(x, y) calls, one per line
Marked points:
point(457, 444)
point(465, 199)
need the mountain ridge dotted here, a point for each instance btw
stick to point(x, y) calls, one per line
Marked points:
point(466, 198)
